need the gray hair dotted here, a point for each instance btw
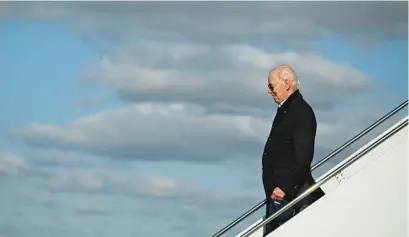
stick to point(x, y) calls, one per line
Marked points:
point(286, 72)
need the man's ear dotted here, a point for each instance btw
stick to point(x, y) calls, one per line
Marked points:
point(287, 84)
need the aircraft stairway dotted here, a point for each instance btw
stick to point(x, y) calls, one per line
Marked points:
point(371, 177)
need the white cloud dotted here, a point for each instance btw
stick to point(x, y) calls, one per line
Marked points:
point(48, 184)
point(193, 79)
point(234, 78)
point(153, 132)
point(63, 198)
point(186, 96)
point(116, 182)
point(157, 132)
point(79, 201)
point(11, 164)
point(177, 111)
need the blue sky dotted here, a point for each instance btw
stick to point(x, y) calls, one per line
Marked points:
point(115, 120)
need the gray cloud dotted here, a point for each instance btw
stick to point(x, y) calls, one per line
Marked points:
point(228, 22)
point(200, 102)
point(183, 136)
point(58, 158)
point(192, 76)
point(234, 80)
point(116, 182)
point(106, 195)
point(158, 132)
point(122, 183)
point(194, 115)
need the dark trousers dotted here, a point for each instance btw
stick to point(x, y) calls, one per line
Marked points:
point(272, 206)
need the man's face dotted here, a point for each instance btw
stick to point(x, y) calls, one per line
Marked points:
point(277, 88)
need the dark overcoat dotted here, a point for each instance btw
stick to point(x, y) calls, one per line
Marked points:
point(289, 149)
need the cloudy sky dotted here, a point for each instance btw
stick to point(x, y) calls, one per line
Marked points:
point(149, 119)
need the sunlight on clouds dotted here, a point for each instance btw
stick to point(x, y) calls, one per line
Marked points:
point(172, 131)
point(310, 65)
point(191, 104)
point(162, 131)
point(233, 82)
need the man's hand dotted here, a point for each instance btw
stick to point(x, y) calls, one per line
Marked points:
point(277, 194)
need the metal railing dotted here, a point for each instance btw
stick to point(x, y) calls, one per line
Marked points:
point(318, 164)
point(328, 176)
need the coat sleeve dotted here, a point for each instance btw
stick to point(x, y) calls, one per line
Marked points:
point(304, 142)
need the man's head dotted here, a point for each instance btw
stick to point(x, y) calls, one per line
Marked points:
point(282, 82)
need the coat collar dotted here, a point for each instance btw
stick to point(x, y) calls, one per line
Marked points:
point(291, 100)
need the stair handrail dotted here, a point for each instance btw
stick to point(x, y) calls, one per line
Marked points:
point(318, 164)
point(328, 176)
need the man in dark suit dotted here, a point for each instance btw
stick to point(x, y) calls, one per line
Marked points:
point(289, 149)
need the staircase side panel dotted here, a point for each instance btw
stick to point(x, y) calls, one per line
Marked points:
point(371, 201)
